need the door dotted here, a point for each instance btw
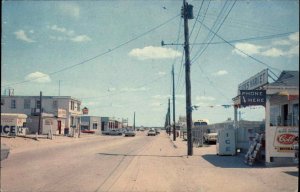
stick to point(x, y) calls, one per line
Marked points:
point(59, 127)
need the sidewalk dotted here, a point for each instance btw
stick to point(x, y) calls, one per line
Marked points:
point(21, 143)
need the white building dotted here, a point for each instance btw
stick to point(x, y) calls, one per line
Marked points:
point(65, 108)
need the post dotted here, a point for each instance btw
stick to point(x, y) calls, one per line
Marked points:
point(186, 15)
point(40, 115)
point(169, 117)
point(134, 121)
point(174, 127)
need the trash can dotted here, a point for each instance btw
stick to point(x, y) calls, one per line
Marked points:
point(66, 131)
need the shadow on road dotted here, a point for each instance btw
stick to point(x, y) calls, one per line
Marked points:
point(119, 154)
point(292, 173)
point(230, 161)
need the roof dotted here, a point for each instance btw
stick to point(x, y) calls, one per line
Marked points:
point(287, 78)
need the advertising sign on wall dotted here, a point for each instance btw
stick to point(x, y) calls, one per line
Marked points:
point(285, 138)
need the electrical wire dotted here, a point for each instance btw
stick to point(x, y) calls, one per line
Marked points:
point(97, 56)
point(255, 59)
point(214, 34)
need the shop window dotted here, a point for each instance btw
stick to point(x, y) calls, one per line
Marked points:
point(285, 112)
point(27, 103)
point(275, 118)
point(95, 125)
point(13, 104)
point(295, 118)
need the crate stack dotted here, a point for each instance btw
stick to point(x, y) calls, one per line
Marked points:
point(254, 149)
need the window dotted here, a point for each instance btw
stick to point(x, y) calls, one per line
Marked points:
point(78, 106)
point(2, 102)
point(296, 114)
point(72, 105)
point(55, 104)
point(95, 125)
point(38, 104)
point(13, 104)
point(27, 103)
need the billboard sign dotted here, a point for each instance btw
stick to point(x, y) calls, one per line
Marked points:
point(254, 82)
point(253, 97)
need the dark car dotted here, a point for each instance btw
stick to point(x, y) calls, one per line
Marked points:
point(129, 132)
point(105, 132)
point(115, 132)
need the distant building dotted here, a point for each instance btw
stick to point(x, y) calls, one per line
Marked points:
point(65, 108)
point(90, 123)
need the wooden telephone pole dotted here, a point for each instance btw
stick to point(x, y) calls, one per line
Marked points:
point(174, 127)
point(187, 13)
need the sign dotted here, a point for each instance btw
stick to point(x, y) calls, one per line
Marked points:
point(285, 138)
point(85, 111)
point(254, 82)
point(61, 113)
point(253, 97)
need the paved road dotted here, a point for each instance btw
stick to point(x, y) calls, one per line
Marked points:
point(141, 163)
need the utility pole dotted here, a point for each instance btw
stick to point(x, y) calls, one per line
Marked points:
point(187, 13)
point(58, 87)
point(40, 115)
point(134, 121)
point(169, 118)
point(174, 127)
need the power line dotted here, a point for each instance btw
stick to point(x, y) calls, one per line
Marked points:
point(99, 55)
point(214, 34)
point(249, 39)
point(255, 59)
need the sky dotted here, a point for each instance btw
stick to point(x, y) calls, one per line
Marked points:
point(109, 55)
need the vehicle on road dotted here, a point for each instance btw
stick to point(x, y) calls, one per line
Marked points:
point(129, 132)
point(151, 132)
point(157, 131)
point(115, 132)
point(105, 132)
point(210, 137)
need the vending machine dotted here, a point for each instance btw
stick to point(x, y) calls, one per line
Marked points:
point(226, 142)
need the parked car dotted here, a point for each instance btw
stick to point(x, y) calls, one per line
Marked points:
point(105, 132)
point(157, 131)
point(129, 132)
point(151, 132)
point(115, 132)
point(210, 137)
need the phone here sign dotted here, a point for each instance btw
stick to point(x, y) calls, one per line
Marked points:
point(253, 97)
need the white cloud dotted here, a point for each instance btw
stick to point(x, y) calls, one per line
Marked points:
point(221, 72)
point(81, 38)
point(151, 52)
point(161, 73)
point(248, 48)
point(38, 77)
point(62, 30)
point(273, 52)
point(156, 104)
point(70, 9)
point(22, 36)
point(161, 96)
point(294, 37)
point(205, 98)
point(126, 89)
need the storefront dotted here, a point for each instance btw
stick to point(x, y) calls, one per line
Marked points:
point(281, 101)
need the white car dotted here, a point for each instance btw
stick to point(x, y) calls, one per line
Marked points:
point(210, 137)
point(151, 132)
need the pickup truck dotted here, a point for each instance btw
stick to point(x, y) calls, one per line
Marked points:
point(210, 137)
